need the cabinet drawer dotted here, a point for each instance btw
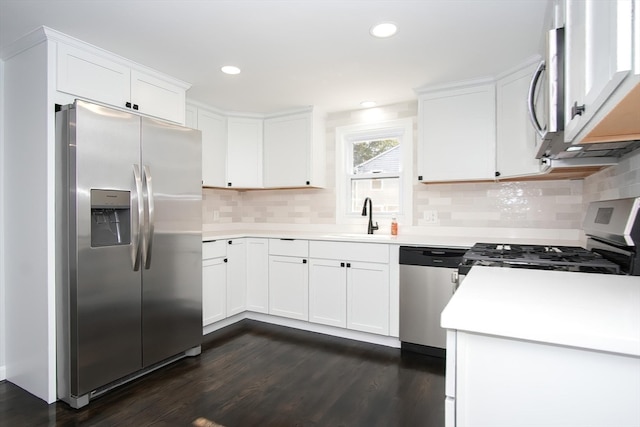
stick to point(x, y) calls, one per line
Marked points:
point(366, 252)
point(215, 249)
point(287, 247)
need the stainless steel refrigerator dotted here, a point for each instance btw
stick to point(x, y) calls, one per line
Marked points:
point(129, 247)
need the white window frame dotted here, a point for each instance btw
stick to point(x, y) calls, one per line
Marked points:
point(402, 129)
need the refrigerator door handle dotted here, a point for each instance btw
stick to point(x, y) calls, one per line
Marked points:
point(148, 182)
point(138, 222)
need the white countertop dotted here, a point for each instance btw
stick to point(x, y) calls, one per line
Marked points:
point(453, 241)
point(585, 310)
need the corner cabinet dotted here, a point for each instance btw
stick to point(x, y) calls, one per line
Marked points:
point(293, 150)
point(256, 151)
point(257, 275)
point(456, 133)
point(97, 75)
point(236, 276)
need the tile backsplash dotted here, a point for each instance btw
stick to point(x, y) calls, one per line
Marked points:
point(557, 204)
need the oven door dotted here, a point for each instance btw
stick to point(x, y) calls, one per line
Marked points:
point(625, 256)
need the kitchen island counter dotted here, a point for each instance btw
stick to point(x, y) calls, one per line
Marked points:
point(584, 310)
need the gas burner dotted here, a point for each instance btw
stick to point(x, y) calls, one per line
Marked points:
point(566, 258)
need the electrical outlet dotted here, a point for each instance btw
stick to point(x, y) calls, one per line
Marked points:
point(216, 215)
point(430, 217)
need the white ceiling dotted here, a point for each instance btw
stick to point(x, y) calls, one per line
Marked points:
point(295, 53)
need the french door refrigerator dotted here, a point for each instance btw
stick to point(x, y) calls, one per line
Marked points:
point(129, 233)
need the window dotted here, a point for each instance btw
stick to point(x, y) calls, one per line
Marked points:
point(372, 161)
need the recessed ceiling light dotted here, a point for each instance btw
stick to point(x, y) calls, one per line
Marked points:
point(230, 69)
point(368, 104)
point(383, 29)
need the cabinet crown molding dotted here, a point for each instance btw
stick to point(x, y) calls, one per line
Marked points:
point(43, 34)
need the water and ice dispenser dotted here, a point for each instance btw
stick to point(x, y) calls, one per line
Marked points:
point(110, 218)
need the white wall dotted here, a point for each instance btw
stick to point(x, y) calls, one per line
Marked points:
point(2, 250)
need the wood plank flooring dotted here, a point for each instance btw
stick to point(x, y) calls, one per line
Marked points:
point(254, 374)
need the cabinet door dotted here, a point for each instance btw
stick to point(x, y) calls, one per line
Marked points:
point(244, 153)
point(236, 277)
point(258, 275)
point(93, 77)
point(457, 134)
point(214, 290)
point(515, 137)
point(368, 297)
point(328, 292)
point(598, 56)
point(289, 287)
point(287, 141)
point(214, 148)
point(157, 97)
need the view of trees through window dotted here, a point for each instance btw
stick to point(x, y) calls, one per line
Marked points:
point(365, 151)
point(376, 174)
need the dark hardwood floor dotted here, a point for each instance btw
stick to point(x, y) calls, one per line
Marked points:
point(254, 374)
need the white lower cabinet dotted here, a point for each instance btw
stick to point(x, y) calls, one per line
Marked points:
point(347, 291)
point(502, 382)
point(368, 297)
point(214, 282)
point(289, 278)
point(326, 283)
point(328, 292)
point(258, 275)
point(236, 276)
point(289, 287)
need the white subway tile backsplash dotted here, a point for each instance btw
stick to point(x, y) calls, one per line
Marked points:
point(555, 204)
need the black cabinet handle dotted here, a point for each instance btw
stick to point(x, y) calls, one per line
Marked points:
point(230, 242)
point(308, 182)
point(497, 174)
point(226, 260)
point(135, 107)
point(348, 265)
point(577, 110)
point(228, 184)
point(127, 104)
point(304, 261)
point(419, 177)
point(342, 264)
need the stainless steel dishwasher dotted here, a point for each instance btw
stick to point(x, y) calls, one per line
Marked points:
point(428, 279)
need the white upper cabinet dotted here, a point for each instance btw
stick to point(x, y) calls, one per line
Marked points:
point(157, 97)
point(97, 75)
point(456, 133)
point(598, 57)
point(92, 76)
point(214, 148)
point(293, 144)
point(244, 152)
point(515, 137)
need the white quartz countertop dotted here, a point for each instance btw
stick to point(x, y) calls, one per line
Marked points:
point(402, 239)
point(585, 310)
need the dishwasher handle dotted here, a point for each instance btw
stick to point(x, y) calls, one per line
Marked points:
point(431, 257)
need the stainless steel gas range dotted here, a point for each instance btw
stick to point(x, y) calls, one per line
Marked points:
point(613, 231)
